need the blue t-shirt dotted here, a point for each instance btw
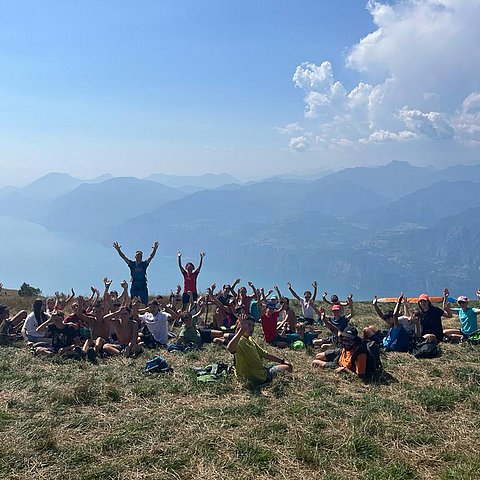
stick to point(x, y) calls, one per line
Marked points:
point(138, 272)
point(254, 310)
point(397, 339)
point(468, 319)
point(340, 323)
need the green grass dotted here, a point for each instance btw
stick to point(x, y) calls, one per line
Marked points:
point(65, 419)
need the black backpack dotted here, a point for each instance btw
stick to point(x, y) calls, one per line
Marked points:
point(424, 349)
point(374, 362)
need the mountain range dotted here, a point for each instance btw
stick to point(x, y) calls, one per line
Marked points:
point(363, 230)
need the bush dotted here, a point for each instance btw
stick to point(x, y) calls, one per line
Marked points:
point(27, 290)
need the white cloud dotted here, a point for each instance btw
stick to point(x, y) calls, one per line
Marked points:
point(420, 72)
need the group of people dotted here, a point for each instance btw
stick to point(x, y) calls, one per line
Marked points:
point(112, 323)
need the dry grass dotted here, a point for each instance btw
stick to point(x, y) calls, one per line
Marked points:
point(67, 419)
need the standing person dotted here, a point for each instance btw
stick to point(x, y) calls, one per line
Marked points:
point(138, 271)
point(190, 275)
point(307, 302)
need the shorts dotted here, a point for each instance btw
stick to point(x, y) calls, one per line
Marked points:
point(205, 335)
point(279, 339)
point(308, 321)
point(272, 372)
point(332, 357)
point(186, 297)
point(141, 292)
point(378, 336)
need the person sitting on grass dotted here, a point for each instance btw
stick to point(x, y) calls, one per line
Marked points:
point(224, 317)
point(467, 317)
point(397, 338)
point(307, 302)
point(269, 319)
point(188, 333)
point(33, 321)
point(336, 323)
point(65, 340)
point(431, 317)
point(334, 300)
point(155, 320)
point(349, 358)
point(289, 321)
point(249, 355)
point(190, 275)
point(125, 320)
point(10, 325)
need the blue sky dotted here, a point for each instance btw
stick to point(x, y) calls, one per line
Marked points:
point(133, 88)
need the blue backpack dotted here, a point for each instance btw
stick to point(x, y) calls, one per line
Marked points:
point(157, 364)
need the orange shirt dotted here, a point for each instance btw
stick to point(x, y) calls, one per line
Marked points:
point(346, 357)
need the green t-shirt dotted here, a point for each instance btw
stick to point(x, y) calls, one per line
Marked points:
point(248, 360)
point(190, 335)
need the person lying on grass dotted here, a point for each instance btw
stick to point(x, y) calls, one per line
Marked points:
point(467, 317)
point(307, 302)
point(349, 358)
point(10, 325)
point(397, 338)
point(249, 355)
point(65, 340)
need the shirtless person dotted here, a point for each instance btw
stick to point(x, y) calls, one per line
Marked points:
point(138, 271)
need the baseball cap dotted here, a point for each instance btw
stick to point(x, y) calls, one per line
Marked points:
point(462, 298)
point(424, 296)
point(336, 307)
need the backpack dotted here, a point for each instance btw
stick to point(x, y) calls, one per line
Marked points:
point(212, 372)
point(374, 362)
point(424, 349)
point(474, 338)
point(157, 364)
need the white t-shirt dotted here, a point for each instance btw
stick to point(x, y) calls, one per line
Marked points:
point(30, 326)
point(406, 324)
point(157, 325)
point(307, 309)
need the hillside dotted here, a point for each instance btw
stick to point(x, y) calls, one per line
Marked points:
point(63, 418)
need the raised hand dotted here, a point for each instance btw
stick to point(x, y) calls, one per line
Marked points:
point(116, 246)
point(289, 285)
point(315, 284)
point(375, 300)
point(179, 254)
point(202, 254)
point(124, 284)
point(155, 246)
point(107, 282)
point(324, 295)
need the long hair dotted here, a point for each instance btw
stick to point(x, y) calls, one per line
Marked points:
point(40, 315)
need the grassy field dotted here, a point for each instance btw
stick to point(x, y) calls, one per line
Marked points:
point(73, 420)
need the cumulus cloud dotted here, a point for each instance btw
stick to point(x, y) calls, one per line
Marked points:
point(420, 73)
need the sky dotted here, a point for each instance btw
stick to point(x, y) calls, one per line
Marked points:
point(248, 88)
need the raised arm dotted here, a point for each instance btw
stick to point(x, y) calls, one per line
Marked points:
point(447, 312)
point(118, 248)
point(376, 307)
point(152, 254)
point(124, 296)
point(234, 285)
point(325, 299)
point(200, 263)
point(406, 307)
point(179, 256)
point(292, 291)
point(350, 306)
point(107, 299)
point(280, 296)
point(396, 311)
point(315, 288)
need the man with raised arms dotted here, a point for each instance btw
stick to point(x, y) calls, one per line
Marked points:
point(138, 271)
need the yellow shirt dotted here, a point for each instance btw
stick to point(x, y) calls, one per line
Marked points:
point(248, 360)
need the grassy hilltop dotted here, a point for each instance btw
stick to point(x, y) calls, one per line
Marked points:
point(73, 420)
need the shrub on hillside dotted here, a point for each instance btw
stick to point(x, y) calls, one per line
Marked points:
point(27, 290)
